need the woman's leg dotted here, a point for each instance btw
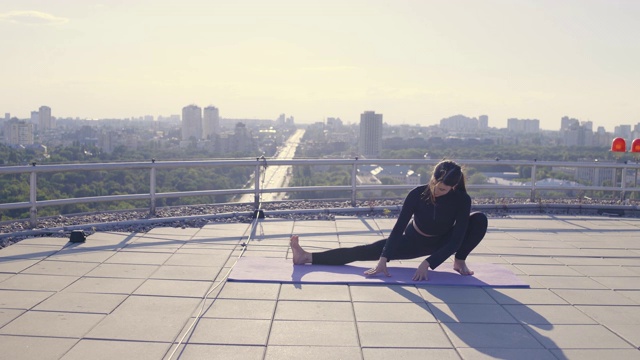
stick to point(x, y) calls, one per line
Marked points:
point(341, 256)
point(476, 230)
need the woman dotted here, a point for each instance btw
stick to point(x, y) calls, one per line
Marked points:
point(435, 220)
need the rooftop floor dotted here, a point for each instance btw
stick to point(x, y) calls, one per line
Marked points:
point(163, 294)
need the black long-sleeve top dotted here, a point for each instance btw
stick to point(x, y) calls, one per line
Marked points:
point(449, 211)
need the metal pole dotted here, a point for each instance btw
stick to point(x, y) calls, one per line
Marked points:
point(533, 182)
point(152, 187)
point(354, 169)
point(623, 183)
point(256, 177)
point(33, 196)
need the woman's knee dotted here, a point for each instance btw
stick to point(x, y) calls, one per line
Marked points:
point(478, 221)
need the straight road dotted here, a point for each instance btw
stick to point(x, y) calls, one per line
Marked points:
point(277, 176)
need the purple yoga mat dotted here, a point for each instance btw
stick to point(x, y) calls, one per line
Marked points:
point(274, 270)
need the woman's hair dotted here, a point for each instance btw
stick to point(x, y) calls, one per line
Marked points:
point(447, 172)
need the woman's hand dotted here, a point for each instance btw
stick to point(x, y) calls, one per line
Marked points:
point(380, 268)
point(423, 272)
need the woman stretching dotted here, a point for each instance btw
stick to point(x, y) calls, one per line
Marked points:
point(435, 220)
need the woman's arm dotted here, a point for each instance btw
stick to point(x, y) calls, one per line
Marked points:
point(408, 207)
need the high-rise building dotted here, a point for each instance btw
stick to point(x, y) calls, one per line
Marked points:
point(18, 132)
point(370, 141)
point(191, 122)
point(210, 122)
point(483, 122)
point(44, 118)
point(7, 116)
point(523, 125)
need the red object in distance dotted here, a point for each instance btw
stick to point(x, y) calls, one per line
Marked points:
point(618, 145)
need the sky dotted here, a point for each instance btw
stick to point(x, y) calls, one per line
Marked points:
point(414, 61)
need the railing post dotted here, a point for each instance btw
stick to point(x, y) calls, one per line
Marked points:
point(623, 183)
point(354, 169)
point(152, 188)
point(256, 178)
point(33, 196)
point(533, 183)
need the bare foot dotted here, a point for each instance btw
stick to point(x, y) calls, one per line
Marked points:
point(461, 267)
point(299, 255)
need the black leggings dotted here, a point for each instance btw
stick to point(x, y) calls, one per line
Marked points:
point(411, 246)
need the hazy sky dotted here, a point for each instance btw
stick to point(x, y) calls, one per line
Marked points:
point(414, 61)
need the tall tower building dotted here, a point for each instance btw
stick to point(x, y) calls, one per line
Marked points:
point(18, 132)
point(44, 118)
point(210, 122)
point(191, 122)
point(370, 141)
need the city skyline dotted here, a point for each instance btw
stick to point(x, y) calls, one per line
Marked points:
point(416, 62)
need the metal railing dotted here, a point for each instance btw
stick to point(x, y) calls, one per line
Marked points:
point(354, 188)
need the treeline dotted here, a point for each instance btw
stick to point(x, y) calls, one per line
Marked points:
point(62, 185)
point(440, 149)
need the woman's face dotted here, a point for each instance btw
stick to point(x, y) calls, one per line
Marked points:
point(441, 189)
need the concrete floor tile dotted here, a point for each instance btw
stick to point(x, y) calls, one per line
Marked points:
point(455, 295)
point(619, 283)
point(255, 291)
point(107, 350)
point(633, 295)
point(126, 271)
point(16, 299)
point(8, 315)
point(496, 353)
point(313, 333)
point(313, 353)
point(628, 332)
point(596, 354)
point(578, 337)
point(567, 282)
point(83, 255)
point(529, 260)
point(81, 303)
point(317, 292)
point(314, 311)
point(584, 261)
point(402, 335)
point(146, 318)
point(471, 313)
point(141, 258)
point(393, 312)
point(548, 314)
point(524, 296)
point(613, 314)
point(230, 331)
point(502, 336)
point(52, 324)
point(104, 285)
point(16, 265)
point(553, 270)
point(165, 230)
point(27, 252)
point(37, 282)
point(29, 348)
point(185, 288)
point(604, 270)
point(409, 354)
point(215, 260)
point(393, 293)
point(175, 272)
point(241, 309)
point(589, 297)
point(198, 351)
point(46, 267)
